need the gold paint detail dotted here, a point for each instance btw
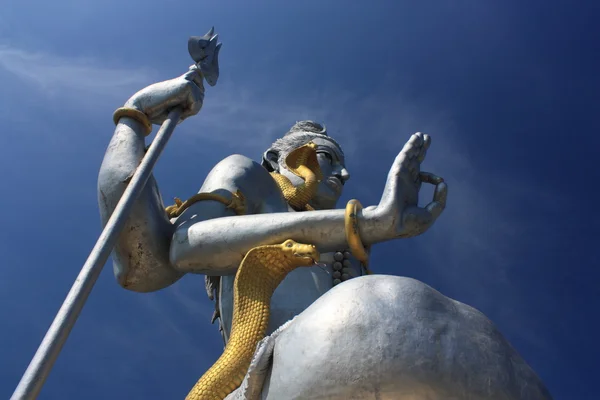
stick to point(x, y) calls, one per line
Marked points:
point(135, 114)
point(257, 277)
point(237, 203)
point(353, 235)
point(303, 163)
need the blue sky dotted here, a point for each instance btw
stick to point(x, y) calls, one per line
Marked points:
point(509, 92)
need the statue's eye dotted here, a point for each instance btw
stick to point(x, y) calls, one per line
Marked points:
point(327, 156)
point(289, 244)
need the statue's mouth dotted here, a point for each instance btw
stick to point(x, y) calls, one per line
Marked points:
point(310, 260)
point(335, 183)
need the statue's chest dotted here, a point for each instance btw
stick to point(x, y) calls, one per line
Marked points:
point(296, 292)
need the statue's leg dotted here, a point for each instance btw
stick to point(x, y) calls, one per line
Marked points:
point(388, 337)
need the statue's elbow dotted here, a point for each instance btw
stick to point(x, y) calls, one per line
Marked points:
point(143, 276)
point(180, 252)
point(198, 257)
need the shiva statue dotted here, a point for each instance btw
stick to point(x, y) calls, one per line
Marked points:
point(332, 329)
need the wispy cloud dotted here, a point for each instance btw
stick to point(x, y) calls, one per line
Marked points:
point(245, 116)
point(169, 311)
point(58, 75)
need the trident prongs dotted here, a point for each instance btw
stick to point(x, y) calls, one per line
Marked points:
point(204, 50)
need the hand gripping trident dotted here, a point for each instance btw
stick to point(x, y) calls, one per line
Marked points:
point(205, 52)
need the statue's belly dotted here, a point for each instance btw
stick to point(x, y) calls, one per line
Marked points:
point(296, 293)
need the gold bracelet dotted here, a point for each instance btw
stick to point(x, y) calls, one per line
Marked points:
point(135, 114)
point(237, 203)
point(352, 234)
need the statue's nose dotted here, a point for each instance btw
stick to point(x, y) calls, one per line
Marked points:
point(343, 174)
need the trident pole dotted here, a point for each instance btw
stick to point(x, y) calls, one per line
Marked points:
point(205, 54)
point(34, 377)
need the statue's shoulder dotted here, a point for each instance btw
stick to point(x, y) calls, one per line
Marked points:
point(239, 169)
point(238, 172)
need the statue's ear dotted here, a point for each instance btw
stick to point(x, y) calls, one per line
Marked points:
point(271, 160)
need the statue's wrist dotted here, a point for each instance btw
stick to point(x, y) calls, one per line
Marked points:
point(195, 75)
point(135, 114)
point(375, 226)
point(133, 102)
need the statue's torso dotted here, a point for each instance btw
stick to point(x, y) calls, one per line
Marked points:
point(302, 286)
point(295, 293)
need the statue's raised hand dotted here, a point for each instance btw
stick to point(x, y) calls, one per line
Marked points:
point(185, 91)
point(400, 197)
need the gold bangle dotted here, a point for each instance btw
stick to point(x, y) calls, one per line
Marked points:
point(135, 114)
point(237, 203)
point(352, 234)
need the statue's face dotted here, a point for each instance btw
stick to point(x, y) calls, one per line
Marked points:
point(334, 172)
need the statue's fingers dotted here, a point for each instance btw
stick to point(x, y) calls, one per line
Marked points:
point(191, 73)
point(423, 217)
point(414, 167)
point(158, 119)
point(400, 165)
point(438, 204)
point(412, 146)
point(424, 148)
point(434, 209)
point(428, 177)
point(418, 145)
point(416, 220)
point(426, 141)
point(190, 111)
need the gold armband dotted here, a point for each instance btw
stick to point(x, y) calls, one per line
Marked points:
point(135, 114)
point(352, 234)
point(237, 203)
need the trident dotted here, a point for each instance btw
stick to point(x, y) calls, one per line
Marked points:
point(204, 50)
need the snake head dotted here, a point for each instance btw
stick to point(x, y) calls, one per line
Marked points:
point(305, 155)
point(301, 254)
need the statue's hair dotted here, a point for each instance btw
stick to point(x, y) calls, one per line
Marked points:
point(299, 134)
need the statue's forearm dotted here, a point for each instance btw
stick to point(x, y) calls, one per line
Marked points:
point(217, 246)
point(141, 255)
point(124, 153)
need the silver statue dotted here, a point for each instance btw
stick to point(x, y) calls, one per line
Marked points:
point(371, 337)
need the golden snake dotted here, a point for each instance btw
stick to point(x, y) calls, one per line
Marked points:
point(260, 272)
point(302, 162)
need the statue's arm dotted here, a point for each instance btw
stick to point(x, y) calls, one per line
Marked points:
point(141, 255)
point(216, 246)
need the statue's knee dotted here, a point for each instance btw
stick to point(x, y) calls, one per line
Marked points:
point(385, 293)
point(392, 330)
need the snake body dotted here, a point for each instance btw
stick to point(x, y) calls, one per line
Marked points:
point(303, 163)
point(259, 274)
